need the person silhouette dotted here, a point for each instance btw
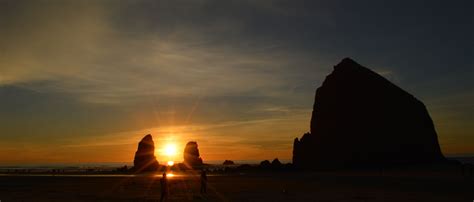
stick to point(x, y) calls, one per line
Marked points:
point(203, 182)
point(164, 188)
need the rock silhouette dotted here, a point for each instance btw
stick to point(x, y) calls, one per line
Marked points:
point(276, 163)
point(228, 162)
point(265, 164)
point(145, 159)
point(191, 155)
point(361, 119)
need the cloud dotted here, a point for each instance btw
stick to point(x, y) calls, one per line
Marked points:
point(82, 49)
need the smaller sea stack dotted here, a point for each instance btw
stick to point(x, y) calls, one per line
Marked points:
point(145, 159)
point(191, 155)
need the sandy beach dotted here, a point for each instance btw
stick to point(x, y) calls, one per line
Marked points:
point(315, 186)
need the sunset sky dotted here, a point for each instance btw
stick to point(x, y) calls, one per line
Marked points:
point(84, 81)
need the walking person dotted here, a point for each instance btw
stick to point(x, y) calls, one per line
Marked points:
point(203, 182)
point(164, 188)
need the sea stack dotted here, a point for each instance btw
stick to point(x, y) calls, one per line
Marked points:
point(145, 159)
point(191, 155)
point(361, 119)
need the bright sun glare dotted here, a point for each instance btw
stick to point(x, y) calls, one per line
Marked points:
point(170, 150)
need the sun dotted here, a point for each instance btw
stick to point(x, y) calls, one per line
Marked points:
point(170, 150)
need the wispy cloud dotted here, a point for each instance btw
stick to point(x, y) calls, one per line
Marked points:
point(93, 57)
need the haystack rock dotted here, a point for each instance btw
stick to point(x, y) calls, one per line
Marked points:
point(361, 119)
point(145, 159)
point(191, 155)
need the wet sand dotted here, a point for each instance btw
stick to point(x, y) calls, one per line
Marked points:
point(240, 187)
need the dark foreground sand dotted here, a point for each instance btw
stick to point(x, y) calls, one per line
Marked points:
point(358, 187)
